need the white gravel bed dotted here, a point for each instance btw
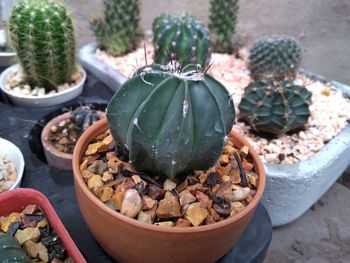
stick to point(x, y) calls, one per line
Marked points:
point(330, 111)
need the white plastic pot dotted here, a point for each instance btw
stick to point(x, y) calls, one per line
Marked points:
point(15, 155)
point(40, 101)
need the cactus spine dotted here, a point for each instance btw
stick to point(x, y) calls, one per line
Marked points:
point(42, 35)
point(222, 26)
point(172, 121)
point(118, 32)
point(277, 56)
point(182, 38)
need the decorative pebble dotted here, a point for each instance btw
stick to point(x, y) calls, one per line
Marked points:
point(241, 194)
point(196, 214)
point(132, 203)
point(169, 207)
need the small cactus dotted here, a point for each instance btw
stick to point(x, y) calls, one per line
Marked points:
point(222, 26)
point(278, 56)
point(172, 120)
point(118, 32)
point(182, 38)
point(275, 106)
point(42, 34)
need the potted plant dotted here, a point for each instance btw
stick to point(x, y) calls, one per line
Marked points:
point(42, 35)
point(117, 33)
point(299, 168)
point(27, 215)
point(60, 135)
point(162, 129)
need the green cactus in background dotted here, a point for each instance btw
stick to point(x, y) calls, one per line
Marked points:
point(182, 38)
point(222, 26)
point(172, 120)
point(275, 106)
point(118, 32)
point(278, 56)
point(42, 34)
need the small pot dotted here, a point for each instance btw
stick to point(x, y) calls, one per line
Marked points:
point(54, 157)
point(128, 240)
point(15, 155)
point(16, 200)
point(43, 101)
point(7, 58)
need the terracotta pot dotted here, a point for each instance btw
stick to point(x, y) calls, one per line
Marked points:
point(16, 200)
point(54, 157)
point(128, 240)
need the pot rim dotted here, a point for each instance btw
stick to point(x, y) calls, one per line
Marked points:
point(46, 130)
point(79, 182)
point(4, 80)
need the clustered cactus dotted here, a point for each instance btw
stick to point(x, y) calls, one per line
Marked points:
point(272, 102)
point(172, 120)
point(118, 32)
point(182, 38)
point(223, 21)
point(42, 34)
point(277, 55)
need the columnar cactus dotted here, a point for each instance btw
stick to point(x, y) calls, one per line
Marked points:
point(277, 56)
point(42, 34)
point(222, 26)
point(172, 121)
point(118, 32)
point(182, 38)
point(275, 106)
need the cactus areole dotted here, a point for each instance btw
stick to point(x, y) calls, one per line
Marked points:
point(173, 121)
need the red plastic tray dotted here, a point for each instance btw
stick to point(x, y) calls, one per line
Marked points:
point(17, 200)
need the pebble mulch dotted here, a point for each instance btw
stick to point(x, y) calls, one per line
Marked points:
point(8, 173)
point(202, 198)
point(35, 235)
point(16, 85)
point(330, 110)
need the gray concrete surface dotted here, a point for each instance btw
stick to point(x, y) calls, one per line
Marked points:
point(322, 235)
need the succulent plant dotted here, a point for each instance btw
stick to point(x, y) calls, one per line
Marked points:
point(11, 251)
point(172, 120)
point(277, 56)
point(42, 34)
point(118, 32)
point(222, 26)
point(83, 117)
point(182, 38)
point(275, 106)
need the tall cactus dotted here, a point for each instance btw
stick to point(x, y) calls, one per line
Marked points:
point(118, 32)
point(182, 38)
point(173, 121)
point(222, 26)
point(42, 34)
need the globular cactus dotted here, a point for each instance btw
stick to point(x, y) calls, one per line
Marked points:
point(182, 38)
point(83, 117)
point(222, 26)
point(42, 34)
point(118, 32)
point(278, 56)
point(275, 106)
point(172, 120)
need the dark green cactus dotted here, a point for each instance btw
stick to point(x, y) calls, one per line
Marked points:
point(182, 38)
point(11, 251)
point(42, 35)
point(222, 26)
point(275, 106)
point(277, 56)
point(118, 32)
point(172, 121)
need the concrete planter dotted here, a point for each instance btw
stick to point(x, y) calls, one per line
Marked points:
point(291, 188)
point(108, 75)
